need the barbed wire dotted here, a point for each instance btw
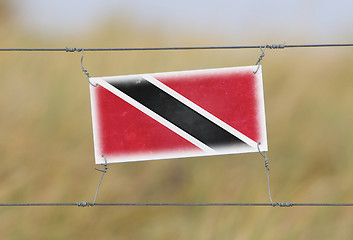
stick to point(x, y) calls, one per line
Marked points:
point(89, 204)
point(271, 46)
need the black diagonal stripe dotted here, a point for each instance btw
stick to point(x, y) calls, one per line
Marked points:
point(177, 112)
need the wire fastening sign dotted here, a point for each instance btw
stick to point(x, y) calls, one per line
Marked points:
point(178, 114)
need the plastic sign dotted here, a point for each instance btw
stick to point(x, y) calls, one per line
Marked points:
point(178, 114)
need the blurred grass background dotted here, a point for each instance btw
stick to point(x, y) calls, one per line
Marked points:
point(46, 145)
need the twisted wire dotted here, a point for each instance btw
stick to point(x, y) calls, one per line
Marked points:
point(263, 154)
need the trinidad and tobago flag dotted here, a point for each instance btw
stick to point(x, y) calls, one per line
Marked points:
point(178, 114)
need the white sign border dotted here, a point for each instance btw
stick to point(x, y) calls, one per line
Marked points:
point(102, 81)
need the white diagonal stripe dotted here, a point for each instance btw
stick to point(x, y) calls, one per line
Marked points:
point(155, 116)
point(200, 110)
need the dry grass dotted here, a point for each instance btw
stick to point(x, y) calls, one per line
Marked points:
point(47, 149)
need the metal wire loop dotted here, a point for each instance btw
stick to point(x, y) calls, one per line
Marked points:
point(273, 46)
point(260, 59)
point(84, 70)
point(103, 172)
point(263, 154)
point(105, 164)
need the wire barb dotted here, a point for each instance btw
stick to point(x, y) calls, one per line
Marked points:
point(276, 46)
point(103, 172)
point(84, 204)
point(284, 204)
point(67, 49)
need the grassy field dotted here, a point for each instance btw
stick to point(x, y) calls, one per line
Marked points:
point(46, 146)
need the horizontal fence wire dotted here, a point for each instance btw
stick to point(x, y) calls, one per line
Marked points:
point(272, 46)
point(88, 204)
